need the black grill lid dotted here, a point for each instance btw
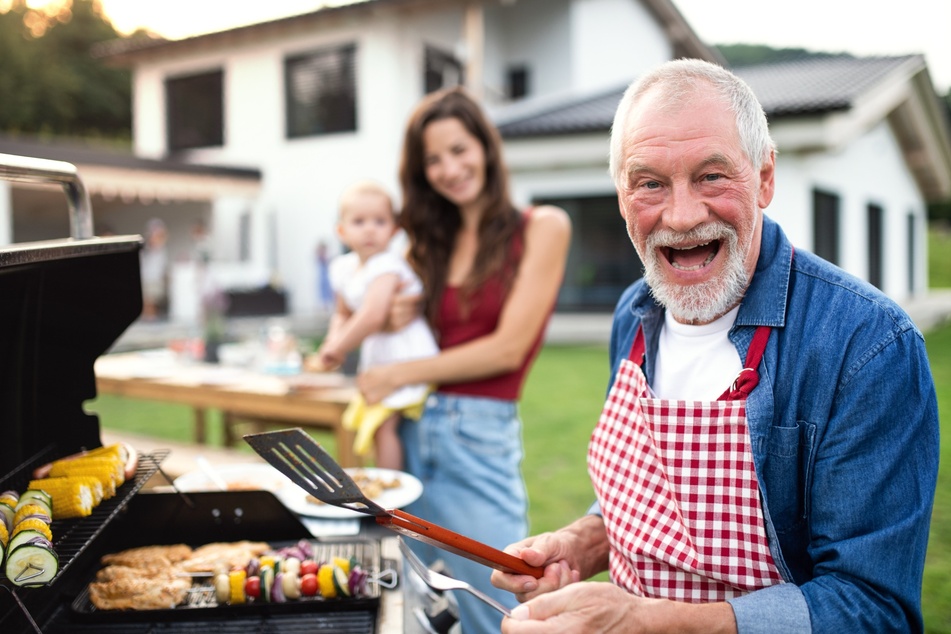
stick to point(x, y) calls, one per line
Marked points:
point(64, 303)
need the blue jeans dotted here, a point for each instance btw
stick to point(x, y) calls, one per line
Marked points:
point(467, 451)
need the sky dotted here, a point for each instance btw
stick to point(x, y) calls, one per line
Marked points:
point(859, 27)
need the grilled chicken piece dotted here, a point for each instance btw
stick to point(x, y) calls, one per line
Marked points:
point(226, 555)
point(158, 567)
point(145, 556)
point(161, 592)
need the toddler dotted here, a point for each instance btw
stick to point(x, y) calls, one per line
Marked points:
point(365, 280)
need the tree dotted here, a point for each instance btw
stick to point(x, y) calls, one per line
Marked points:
point(749, 54)
point(49, 82)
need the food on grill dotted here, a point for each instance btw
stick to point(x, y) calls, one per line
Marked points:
point(26, 547)
point(32, 563)
point(122, 453)
point(8, 502)
point(231, 555)
point(158, 567)
point(33, 523)
point(4, 539)
point(238, 573)
point(370, 485)
point(36, 496)
point(290, 585)
point(309, 586)
point(143, 556)
point(26, 511)
point(236, 580)
point(72, 496)
point(161, 591)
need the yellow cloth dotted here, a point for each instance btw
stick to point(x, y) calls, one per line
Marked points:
point(366, 419)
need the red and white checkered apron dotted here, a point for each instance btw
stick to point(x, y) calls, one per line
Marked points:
point(678, 489)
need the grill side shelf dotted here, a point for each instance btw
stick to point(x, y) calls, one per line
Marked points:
point(72, 536)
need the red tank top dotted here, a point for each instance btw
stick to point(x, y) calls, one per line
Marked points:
point(485, 308)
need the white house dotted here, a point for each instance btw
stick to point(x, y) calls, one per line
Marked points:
point(295, 109)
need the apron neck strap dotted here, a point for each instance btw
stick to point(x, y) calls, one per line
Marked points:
point(746, 380)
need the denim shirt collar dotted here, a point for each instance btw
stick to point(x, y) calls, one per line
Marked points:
point(763, 305)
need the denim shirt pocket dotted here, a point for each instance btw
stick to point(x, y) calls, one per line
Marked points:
point(790, 456)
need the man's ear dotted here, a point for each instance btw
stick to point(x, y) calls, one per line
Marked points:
point(767, 180)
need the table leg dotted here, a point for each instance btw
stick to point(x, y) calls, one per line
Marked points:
point(200, 437)
point(345, 454)
point(228, 422)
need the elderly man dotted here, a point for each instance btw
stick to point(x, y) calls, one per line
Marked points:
point(793, 498)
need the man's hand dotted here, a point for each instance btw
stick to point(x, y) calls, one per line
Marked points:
point(577, 551)
point(548, 550)
point(588, 607)
point(600, 607)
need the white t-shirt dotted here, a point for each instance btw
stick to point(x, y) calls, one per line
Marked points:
point(350, 280)
point(695, 363)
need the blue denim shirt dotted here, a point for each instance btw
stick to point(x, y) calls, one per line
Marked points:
point(844, 432)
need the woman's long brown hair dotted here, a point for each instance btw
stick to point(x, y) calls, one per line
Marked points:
point(432, 222)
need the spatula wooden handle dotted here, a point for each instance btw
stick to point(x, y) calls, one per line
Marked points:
point(443, 538)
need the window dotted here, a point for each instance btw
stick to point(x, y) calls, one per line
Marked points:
point(825, 225)
point(321, 92)
point(602, 261)
point(195, 111)
point(876, 219)
point(442, 70)
point(517, 84)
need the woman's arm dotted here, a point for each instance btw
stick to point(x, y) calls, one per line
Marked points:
point(540, 273)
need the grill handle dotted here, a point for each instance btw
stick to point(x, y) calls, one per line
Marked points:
point(26, 169)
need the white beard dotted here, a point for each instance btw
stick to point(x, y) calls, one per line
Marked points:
point(698, 303)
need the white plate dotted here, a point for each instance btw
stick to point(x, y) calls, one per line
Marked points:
point(253, 475)
point(410, 488)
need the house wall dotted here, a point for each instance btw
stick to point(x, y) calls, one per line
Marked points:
point(870, 169)
point(614, 41)
point(531, 33)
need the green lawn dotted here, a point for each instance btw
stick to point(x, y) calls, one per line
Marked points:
point(939, 256)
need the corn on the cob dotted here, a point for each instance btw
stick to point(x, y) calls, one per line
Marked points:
point(72, 496)
point(107, 471)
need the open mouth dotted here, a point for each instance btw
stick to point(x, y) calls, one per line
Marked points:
point(692, 258)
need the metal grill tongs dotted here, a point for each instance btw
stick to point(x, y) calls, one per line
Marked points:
point(298, 456)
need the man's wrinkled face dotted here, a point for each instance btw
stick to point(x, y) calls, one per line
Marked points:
point(692, 202)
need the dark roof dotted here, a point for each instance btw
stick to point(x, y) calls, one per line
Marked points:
point(817, 85)
point(813, 85)
point(85, 154)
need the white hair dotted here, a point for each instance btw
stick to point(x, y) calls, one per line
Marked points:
point(679, 80)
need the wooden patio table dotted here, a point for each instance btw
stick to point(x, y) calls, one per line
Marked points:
point(315, 401)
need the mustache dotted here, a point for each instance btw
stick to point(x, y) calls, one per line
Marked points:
point(698, 235)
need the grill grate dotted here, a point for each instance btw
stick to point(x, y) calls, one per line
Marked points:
point(336, 622)
point(71, 537)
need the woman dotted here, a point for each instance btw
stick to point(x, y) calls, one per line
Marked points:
point(491, 275)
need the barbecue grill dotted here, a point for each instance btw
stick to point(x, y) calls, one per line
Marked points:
point(64, 303)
